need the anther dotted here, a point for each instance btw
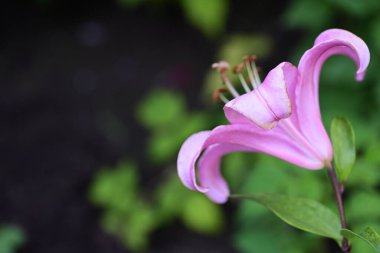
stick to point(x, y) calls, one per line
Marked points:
point(222, 67)
point(250, 64)
point(253, 58)
point(219, 95)
point(247, 62)
point(238, 69)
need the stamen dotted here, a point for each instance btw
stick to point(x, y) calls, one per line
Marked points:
point(238, 69)
point(255, 72)
point(219, 96)
point(253, 77)
point(223, 98)
point(222, 67)
point(247, 62)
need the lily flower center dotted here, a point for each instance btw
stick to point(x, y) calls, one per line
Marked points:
point(264, 103)
point(251, 78)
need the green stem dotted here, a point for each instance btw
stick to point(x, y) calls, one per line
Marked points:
point(346, 247)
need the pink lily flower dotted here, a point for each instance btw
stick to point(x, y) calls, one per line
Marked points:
point(279, 117)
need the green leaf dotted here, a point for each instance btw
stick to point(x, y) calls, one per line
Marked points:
point(343, 139)
point(208, 16)
point(305, 214)
point(369, 236)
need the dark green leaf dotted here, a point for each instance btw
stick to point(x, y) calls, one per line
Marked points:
point(369, 236)
point(305, 214)
point(343, 139)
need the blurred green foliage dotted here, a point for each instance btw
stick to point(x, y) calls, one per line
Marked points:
point(339, 95)
point(297, 15)
point(11, 238)
point(132, 213)
point(255, 226)
point(208, 16)
point(165, 115)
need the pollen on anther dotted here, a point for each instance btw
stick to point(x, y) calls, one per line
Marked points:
point(253, 58)
point(238, 68)
point(221, 66)
point(219, 95)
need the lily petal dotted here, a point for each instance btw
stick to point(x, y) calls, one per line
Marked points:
point(276, 142)
point(211, 180)
point(187, 158)
point(358, 43)
point(267, 104)
point(210, 175)
point(330, 42)
point(233, 138)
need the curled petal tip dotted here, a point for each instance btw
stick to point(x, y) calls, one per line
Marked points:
point(220, 200)
point(360, 53)
point(211, 181)
point(187, 158)
point(360, 76)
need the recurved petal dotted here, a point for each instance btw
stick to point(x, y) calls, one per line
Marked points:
point(267, 104)
point(187, 158)
point(233, 138)
point(361, 59)
point(209, 170)
point(276, 142)
point(330, 42)
point(211, 181)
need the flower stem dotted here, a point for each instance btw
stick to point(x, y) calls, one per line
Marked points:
point(346, 247)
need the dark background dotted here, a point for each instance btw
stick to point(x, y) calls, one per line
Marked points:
point(71, 73)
